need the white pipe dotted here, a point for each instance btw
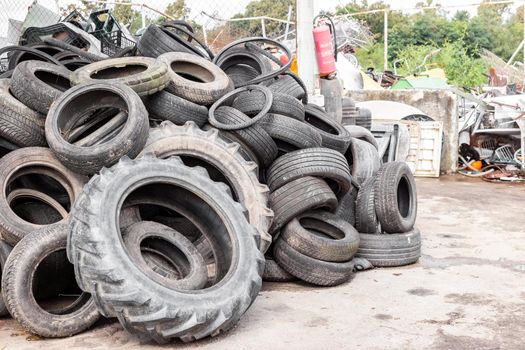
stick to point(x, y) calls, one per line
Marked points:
point(305, 44)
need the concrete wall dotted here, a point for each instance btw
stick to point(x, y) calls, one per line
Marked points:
point(440, 105)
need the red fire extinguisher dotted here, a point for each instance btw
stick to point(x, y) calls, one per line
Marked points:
point(325, 46)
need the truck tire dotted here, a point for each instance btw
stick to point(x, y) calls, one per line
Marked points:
point(389, 250)
point(395, 197)
point(133, 297)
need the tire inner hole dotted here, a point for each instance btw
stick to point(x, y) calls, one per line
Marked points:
point(164, 258)
point(319, 124)
point(56, 81)
point(54, 286)
point(118, 72)
point(321, 228)
point(192, 72)
point(403, 197)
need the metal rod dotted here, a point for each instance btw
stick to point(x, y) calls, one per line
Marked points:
point(518, 49)
point(263, 27)
point(288, 18)
point(385, 37)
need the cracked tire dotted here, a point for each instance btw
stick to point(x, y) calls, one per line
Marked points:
point(122, 290)
point(318, 162)
point(38, 84)
point(321, 273)
point(17, 284)
point(144, 75)
point(322, 235)
point(395, 197)
point(19, 124)
point(389, 250)
point(169, 140)
point(167, 106)
point(299, 196)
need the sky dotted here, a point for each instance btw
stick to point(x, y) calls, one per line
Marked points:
point(219, 8)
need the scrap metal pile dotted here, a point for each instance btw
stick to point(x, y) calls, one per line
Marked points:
point(162, 187)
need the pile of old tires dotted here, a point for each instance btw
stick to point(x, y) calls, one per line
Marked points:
point(161, 189)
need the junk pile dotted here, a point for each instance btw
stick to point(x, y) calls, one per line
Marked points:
point(162, 187)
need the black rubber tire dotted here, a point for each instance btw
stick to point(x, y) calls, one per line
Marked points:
point(155, 41)
point(38, 213)
point(254, 137)
point(274, 273)
point(186, 269)
point(170, 140)
point(5, 249)
point(34, 92)
point(123, 70)
point(19, 124)
point(300, 196)
point(287, 84)
point(31, 160)
point(346, 207)
point(389, 250)
point(250, 102)
point(88, 160)
point(322, 235)
point(290, 134)
point(167, 106)
point(321, 273)
point(395, 197)
point(78, 51)
point(365, 211)
point(206, 82)
point(318, 162)
point(363, 160)
point(361, 133)
point(333, 134)
point(130, 295)
point(17, 287)
point(241, 73)
point(241, 57)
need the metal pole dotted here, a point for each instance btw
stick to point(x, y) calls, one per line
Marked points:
point(385, 37)
point(288, 18)
point(523, 41)
point(205, 34)
point(305, 44)
point(143, 16)
point(518, 49)
point(263, 26)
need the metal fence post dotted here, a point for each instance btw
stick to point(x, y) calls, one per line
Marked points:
point(305, 43)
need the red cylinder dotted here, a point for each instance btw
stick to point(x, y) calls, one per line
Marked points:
point(324, 50)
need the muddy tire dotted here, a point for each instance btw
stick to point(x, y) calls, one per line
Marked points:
point(143, 75)
point(166, 106)
point(170, 140)
point(38, 84)
point(321, 273)
point(31, 160)
point(17, 287)
point(133, 297)
point(19, 124)
point(131, 134)
point(389, 250)
point(300, 196)
point(395, 197)
point(322, 236)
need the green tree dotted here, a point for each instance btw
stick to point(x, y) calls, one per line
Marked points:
point(271, 8)
point(84, 8)
point(177, 9)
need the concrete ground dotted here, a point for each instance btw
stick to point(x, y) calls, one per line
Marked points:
point(466, 292)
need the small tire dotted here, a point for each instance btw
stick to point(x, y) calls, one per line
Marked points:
point(290, 134)
point(322, 235)
point(299, 196)
point(206, 82)
point(321, 273)
point(38, 84)
point(333, 134)
point(21, 266)
point(318, 162)
point(167, 106)
point(129, 140)
point(389, 250)
point(143, 75)
point(395, 197)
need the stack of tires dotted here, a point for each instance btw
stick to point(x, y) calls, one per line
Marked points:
point(160, 190)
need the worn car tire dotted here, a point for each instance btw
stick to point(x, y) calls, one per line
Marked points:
point(363, 160)
point(18, 292)
point(19, 124)
point(250, 102)
point(144, 75)
point(287, 84)
point(28, 160)
point(38, 84)
point(321, 273)
point(195, 78)
point(237, 57)
point(361, 133)
point(318, 162)
point(395, 197)
point(365, 211)
point(169, 140)
point(167, 106)
point(346, 207)
point(132, 296)
point(129, 140)
point(155, 41)
point(290, 134)
point(333, 134)
point(388, 250)
point(241, 74)
point(322, 235)
point(5, 249)
point(274, 273)
point(299, 196)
